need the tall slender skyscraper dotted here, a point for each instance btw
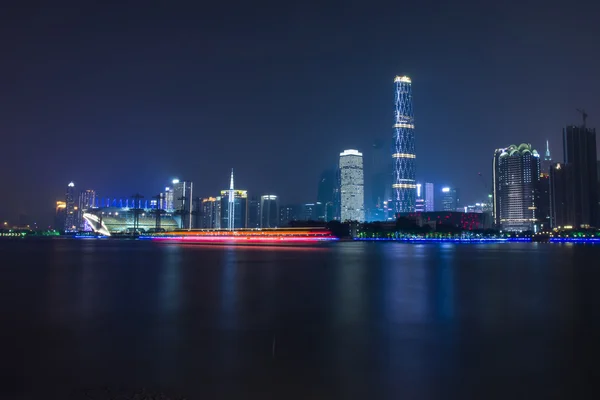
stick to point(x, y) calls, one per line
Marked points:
point(429, 199)
point(404, 186)
point(352, 186)
point(547, 160)
point(234, 207)
point(182, 198)
point(70, 209)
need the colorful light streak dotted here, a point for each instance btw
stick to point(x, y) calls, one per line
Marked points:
point(267, 236)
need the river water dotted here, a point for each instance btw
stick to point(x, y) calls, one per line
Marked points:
point(346, 320)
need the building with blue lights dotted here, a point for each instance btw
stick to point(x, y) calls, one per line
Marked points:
point(516, 176)
point(404, 186)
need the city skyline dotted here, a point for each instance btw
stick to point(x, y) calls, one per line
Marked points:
point(84, 105)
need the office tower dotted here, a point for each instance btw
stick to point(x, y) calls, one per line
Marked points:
point(337, 196)
point(167, 200)
point(352, 186)
point(254, 213)
point(86, 201)
point(234, 207)
point(420, 200)
point(70, 209)
point(582, 190)
point(60, 216)
point(269, 211)
point(309, 212)
point(542, 202)
point(516, 176)
point(450, 199)
point(429, 198)
point(561, 215)
point(403, 150)
point(288, 214)
point(211, 213)
point(182, 200)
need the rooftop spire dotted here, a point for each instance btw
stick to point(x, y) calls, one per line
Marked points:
point(231, 182)
point(547, 155)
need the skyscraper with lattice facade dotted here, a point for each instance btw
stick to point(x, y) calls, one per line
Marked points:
point(404, 186)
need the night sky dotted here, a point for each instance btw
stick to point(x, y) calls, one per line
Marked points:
point(123, 96)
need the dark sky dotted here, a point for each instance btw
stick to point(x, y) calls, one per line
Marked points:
point(122, 96)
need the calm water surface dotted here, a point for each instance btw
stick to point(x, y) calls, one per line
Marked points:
point(351, 320)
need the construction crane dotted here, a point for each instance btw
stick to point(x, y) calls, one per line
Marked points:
point(136, 212)
point(485, 185)
point(584, 115)
point(158, 211)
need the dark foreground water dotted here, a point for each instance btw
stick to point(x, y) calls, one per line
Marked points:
point(351, 320)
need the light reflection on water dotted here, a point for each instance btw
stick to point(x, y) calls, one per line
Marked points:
point(352, 319)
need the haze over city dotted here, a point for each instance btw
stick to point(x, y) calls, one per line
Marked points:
point(124, 98)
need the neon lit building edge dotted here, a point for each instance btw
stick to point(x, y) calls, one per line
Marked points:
point(403, 148)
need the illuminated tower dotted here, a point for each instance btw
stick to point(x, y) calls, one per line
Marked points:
point(404, 187)
point(231, 208)
point(234, 207)
point(547, 160)
point(352, 186)
point(70, 209)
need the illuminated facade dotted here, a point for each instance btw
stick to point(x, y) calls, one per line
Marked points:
point(404, 186)
point(167, 200)
point(269, 211)
point(234, 207)
point(60, 216)
point(352, 186)
point(450, 199)
point(70, 209)
point(429, 199)
point(112, 220)
point(516, 176)
point(211, 213)
point(87, 201)
point(420, 201)
point(182, 200)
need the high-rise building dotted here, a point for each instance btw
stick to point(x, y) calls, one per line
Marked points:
point(288, 214)
point(269, 211)
point(420, 201)
point(516, 175)
point(60, 216)
point(424, 199)
point(542, 202)
point(234, 207)
point(352, 186)
point(86, 201)
point(167, 202)
point(429, 198)
point(71, 209)
point(182, 199)
point(254, 212)
point(560, 213)
point(582, 190)
point(309, 212)
point(211, 213)
point(404, 186)
point(450, 199)
point(545, 169)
